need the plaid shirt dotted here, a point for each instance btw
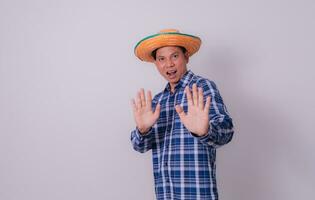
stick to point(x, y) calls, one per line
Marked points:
point(184, 164)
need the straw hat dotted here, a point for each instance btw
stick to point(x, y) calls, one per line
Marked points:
point(167, 37)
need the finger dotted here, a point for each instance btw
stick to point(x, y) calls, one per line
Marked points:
point(133, 104)
point(180, 112)
point(149, 99)
point(200, 98)
point(207, 106)
point(195, 94)
point(138, 101)
point(142, 96)
point(188, 95)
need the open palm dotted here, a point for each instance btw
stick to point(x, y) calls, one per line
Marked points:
point(196, 120)
point(142, 110)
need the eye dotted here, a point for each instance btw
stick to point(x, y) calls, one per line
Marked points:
point(160, 59)
point(175, 55)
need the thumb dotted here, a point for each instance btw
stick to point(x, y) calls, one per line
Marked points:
point(157, 111)
point(180, 111)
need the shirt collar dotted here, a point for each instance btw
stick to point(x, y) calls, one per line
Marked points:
point(182, 82)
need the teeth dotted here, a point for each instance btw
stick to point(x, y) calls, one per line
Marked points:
point(171, 72)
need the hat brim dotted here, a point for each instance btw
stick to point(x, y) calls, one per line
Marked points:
point(144, 48)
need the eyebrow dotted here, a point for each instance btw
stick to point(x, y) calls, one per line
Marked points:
point(176, 52)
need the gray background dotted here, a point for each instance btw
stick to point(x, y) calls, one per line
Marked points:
point(67, 74)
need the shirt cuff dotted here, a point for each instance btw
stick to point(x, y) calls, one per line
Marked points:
point(142, 136)
point(205, 139)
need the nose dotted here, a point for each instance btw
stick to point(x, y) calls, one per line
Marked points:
point(169, 63)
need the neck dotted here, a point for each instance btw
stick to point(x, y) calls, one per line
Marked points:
point(172, 87)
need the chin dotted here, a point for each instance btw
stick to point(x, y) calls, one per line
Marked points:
point(173, 82)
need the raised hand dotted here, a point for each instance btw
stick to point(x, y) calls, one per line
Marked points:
point(142, 110)
point(197, 118)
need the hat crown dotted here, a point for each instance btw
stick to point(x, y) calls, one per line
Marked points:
point(169, 31)
point(166, 37)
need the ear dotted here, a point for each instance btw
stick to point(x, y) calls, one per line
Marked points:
point(186, 56)
point(155, 63)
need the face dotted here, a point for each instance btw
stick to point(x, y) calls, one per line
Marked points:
point(171, 63)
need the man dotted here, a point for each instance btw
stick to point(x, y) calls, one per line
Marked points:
point(184, 124)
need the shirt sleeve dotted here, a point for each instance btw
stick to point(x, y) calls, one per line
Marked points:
point(142, 143)
point(220, 125)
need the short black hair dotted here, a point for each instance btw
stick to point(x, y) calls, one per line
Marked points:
point(153, 54)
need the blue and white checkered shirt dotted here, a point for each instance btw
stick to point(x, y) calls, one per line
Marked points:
point(184, 164)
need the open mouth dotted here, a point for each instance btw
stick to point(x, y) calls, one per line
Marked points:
point(171, 73)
